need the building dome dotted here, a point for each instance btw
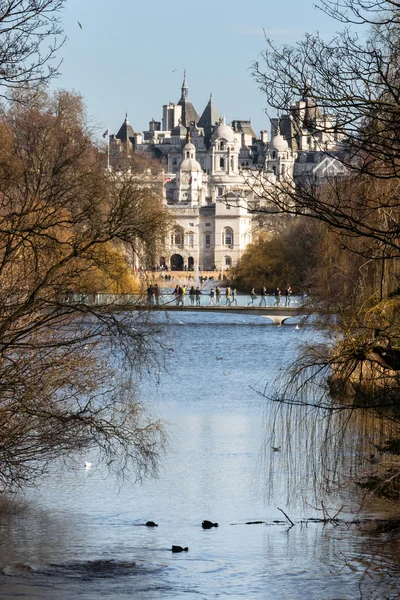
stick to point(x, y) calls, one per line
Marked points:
point(189, 147)
point(223, 131)
point(279, 143)
point(190, 164)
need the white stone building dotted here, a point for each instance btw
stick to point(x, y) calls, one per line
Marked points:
point(212, 177)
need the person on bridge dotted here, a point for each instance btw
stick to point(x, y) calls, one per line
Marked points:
point(212, 295)
point(253, 296)
point(157, 294)
point(218, 294)
point(233, 296)
point(228, 296)
point(198, 294)
point(277, 297)
point(263, 301)
point(176, 294)
point(182, 292)
point(192, 295)
point(288, 293)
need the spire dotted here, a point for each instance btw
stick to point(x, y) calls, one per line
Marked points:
point(185, 89)
point(189, 114)
point(209, 119)
point(125, 132)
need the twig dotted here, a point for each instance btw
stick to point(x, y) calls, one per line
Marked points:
point(288, 518)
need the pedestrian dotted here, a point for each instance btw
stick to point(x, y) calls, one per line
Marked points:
point(157, 294)
point(150, 295)
point(228, 296)
point(277, 297)
point(212, 295)
point(198, 294)
point(288, 293)
point(263, 301)
point(182, 292)
point(218, 294)
point(192, 295)
point(253, 296)
point(233, 296)
point(176, 294)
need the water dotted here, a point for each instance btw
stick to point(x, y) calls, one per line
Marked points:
point(80, 534)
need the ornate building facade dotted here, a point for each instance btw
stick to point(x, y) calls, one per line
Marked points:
point(214, 176)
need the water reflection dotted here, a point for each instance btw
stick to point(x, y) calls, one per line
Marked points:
point(82, 535)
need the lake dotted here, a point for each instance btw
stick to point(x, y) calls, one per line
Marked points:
point(80, 533)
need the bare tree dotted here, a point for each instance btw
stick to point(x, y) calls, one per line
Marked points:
point(30, 36)
point(354, 78)
point(67, 369)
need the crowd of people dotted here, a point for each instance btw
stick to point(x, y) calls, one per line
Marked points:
point(277, 293)
point(216, 296)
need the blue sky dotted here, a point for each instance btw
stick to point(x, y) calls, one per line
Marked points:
point(130, 56)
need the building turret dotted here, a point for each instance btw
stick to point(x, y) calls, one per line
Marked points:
point(224, 150)
point(189, 177)
point(126, 133)
point(209, 120)
point(189, 114)
point(279, 157)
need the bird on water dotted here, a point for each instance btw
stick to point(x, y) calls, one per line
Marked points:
point(179, 549)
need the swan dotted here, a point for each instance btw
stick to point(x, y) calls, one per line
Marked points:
point(88, 465)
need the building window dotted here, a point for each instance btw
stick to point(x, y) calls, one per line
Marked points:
point(221, 145)
point(222, 163)
point(190, 239)
point(208, 239)
point(208, 224)
point(227, 237)
point(220, 191)
point(228, 262)
point(176, 238)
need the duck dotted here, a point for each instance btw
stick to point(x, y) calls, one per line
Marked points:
point(88, 465)
point(151, 524)
point(208, 524)
point(179, 549)
point(276, 448)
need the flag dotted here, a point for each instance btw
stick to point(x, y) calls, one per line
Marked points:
point(105, 134)
point(167, 180)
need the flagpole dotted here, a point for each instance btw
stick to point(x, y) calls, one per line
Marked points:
point(108, 148)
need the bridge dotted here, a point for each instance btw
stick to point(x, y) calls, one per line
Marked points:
point(277, 314)
point(242, 305)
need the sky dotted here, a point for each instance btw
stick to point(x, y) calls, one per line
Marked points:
point(129, 56)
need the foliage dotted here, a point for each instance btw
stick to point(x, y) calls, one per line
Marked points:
point(285, 258)
point(67, 370)
point(354, 78)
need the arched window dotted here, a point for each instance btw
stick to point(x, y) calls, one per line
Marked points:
point(227, 237)
point(228, 262)
point(221, 145)
point(222, 163)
